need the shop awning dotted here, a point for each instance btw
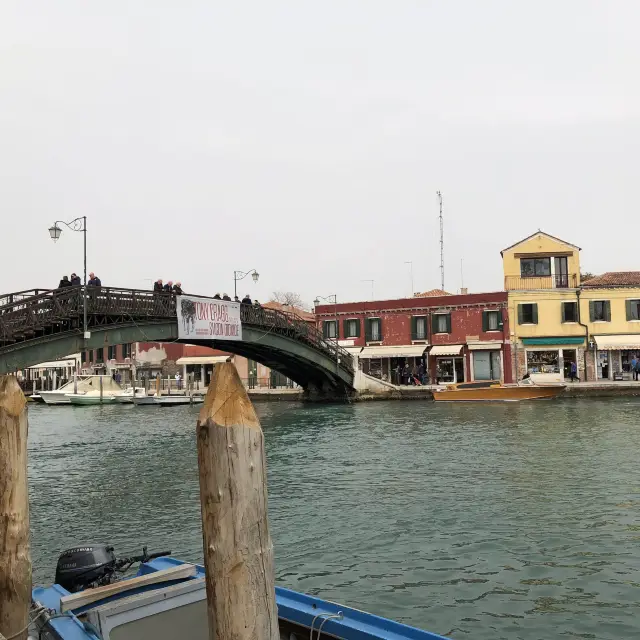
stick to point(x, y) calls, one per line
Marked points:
point(201, 359)
point(55, 364)
point(559, 340)
point(446, 350)
point(477, 345)
point(408, 351)
point(627, 341)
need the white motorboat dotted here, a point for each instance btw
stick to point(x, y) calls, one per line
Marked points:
point(167, 401)
point(126, 396)
point(91, 398)
point(84, 384)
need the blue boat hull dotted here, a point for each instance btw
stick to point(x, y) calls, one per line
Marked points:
point(297, 613)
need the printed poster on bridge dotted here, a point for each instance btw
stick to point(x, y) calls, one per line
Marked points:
point(208, 319)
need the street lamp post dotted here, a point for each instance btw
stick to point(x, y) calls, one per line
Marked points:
point(241, 275)
point(328, 298)
point(79, 224)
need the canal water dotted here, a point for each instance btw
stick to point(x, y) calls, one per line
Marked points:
point(479, 521)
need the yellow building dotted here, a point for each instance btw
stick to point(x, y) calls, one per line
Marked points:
point(610, 306)
point(542, 278)
point(555, 320)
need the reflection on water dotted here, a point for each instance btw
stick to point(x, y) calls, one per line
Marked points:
point(486, 521)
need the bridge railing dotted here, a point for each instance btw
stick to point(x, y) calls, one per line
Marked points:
point(17, 296)
point(296, 328)
point(59, 310)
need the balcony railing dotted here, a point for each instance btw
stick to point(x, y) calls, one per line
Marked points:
point(558, 281)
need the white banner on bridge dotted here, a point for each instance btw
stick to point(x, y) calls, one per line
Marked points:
point(208, 319)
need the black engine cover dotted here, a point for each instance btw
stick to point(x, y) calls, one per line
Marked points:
point(83, 565)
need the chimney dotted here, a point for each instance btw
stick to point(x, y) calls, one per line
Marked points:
point(464, 291)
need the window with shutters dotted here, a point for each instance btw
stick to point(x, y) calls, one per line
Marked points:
point(99, 355)
point(528, 313)
point(374, 330)
point(351, 328)
point(569, 312)
point(600, 310)
point(419, 327)
point(111, 353)
point(126, 350)
point(441, 323)
point(330, 329)
point(633, 309)
point(491, 321)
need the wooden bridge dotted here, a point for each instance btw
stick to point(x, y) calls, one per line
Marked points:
point(39, 325)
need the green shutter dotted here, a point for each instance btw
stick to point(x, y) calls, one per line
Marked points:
point(563, 312)
point(325, 330)
point(380, 337)
point(414, 328)
point(629, 312)
point(485, 321)
point(592, 310)
point(358, 328)
point(607, 311)
point(448, 323)
point(520, 314)
point(367, 329)
point(344, 328)
point(534, 313)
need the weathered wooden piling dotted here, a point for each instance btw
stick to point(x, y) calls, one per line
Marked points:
point(238, 552)
point(15, 561)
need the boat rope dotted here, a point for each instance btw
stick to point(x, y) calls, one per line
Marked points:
point(18, 633)
point(326, 616)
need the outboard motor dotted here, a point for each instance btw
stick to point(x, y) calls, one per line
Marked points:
point(82, 567)
point(94, 565)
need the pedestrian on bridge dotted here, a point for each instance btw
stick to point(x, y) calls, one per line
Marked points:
point(217, 297)
point(247, 299)
point(64, 282)
point(225, 296)
point(94, 281)
point(168, 287)
point(75, 280)
point(157, 286)
point(177, 288)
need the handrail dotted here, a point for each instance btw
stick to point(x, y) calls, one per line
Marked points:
point(58, 310)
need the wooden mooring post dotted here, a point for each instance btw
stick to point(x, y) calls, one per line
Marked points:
point(15, 561)
point(238, 553)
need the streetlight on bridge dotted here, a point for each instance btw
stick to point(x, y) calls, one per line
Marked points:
point(79, 224)
point(241, 275)
point(331, 298)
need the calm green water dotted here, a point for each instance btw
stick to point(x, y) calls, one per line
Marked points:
point(480, 521)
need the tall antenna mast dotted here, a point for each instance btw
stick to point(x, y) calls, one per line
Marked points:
point(441, 243)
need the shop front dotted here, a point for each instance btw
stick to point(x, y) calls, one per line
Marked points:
point(385, 363)
point(446, 364)
point(486, 360)
point(614, 354)
point(550, 359)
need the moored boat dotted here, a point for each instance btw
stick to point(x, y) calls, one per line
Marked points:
point(167, 599)
point(91, 398)
point(81, 385)
point(167, 401)
point(126, 396)
point(493, 391)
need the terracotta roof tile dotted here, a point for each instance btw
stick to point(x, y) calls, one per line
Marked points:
point(300, 313)
point(615, 279)
point(432, 293)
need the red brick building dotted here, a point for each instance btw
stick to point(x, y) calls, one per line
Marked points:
point(458, 337)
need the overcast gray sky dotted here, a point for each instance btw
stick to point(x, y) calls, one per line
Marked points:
point(308, 139)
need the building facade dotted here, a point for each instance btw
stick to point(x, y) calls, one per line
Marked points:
point(610, 305)
point(457, 337)
point(542, 278)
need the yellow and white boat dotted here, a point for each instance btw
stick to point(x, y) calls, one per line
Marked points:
point(493, 391)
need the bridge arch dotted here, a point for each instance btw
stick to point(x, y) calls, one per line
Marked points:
point(47, 326)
